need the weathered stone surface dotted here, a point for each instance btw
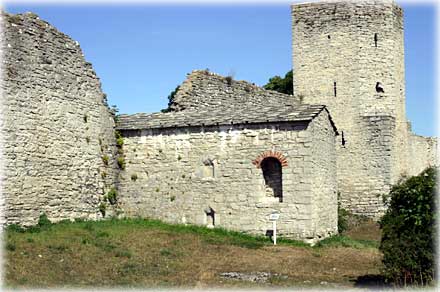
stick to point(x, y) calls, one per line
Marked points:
point(54, 123)
point(259, 277)
point(215, 159)
point(203, 89)
point(182, 172)
point(344, 53)
point(221, 115)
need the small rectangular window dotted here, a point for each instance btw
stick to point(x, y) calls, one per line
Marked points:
point(334, 88)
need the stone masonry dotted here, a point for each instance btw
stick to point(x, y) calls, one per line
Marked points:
point(349, 55)
point(228, 153)
point(231, 168)
point(56, 126)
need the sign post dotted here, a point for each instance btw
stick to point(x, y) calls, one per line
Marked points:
point(274, 217)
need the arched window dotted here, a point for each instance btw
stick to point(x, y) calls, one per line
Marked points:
point(273, 177)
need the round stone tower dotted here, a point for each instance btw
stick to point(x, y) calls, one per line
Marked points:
point(350, 57)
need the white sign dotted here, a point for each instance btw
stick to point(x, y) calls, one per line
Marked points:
point(274, 216)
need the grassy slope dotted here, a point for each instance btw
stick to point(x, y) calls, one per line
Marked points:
point(137, 252)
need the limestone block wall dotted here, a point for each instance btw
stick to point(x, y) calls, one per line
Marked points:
point(324, 185)
point(204, 89)
point(377, 168)
point(56, 126)
point(348, 55)
point(180, 175)
point(422, 153)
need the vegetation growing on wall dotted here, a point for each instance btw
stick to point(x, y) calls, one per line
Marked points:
point(121, 162)
point(112, 196)
point(105, 159)
point(409, 230)
point(102, 208)
point(119, 139)
point(114, 112)
point(342, 219)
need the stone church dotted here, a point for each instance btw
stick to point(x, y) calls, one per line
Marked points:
point(228, 153)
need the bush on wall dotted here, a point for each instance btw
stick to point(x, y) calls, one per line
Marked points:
point(408, 231)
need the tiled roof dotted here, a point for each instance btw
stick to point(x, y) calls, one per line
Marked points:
point(219, 116)
point(208, 99)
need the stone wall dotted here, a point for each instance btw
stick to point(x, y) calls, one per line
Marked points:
point(349, 55)
point(56, 126)
point(203, 89)
point(324, 186)
point(181, 175)
point(422, 153)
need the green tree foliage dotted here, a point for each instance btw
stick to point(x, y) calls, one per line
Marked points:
point(171, 99)
point(408, 231)
point(283, 85)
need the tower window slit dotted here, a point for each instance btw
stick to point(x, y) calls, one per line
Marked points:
point(375, 40)
point(334, 88)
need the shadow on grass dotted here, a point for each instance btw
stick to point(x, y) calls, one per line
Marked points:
point(371, 281)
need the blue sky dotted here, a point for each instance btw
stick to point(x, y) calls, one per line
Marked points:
point(141, 53)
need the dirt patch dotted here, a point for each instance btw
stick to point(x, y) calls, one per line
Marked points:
point(366, 229)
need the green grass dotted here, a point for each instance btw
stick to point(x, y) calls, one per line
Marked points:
point(151, 253)
point(217, 236)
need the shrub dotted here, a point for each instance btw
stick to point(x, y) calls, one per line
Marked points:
point(229, 80)
point(120, 142)
point(43, 221)
point(342, 219)
point(121, 162)
point(10, 246)
point(105, 159)
point(102, 207)
point(408, 231)
point(114, 110)
point(112, 196)
point(134, 177)
point(171, 97)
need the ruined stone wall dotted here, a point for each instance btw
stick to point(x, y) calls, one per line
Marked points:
point(56, 126)
point(341, 50)
point(179, 174)
point(204, 89)
point(422, 153)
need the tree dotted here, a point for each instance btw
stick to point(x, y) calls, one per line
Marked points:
point(408, 231)
point(283, 85)
point(171, 99)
